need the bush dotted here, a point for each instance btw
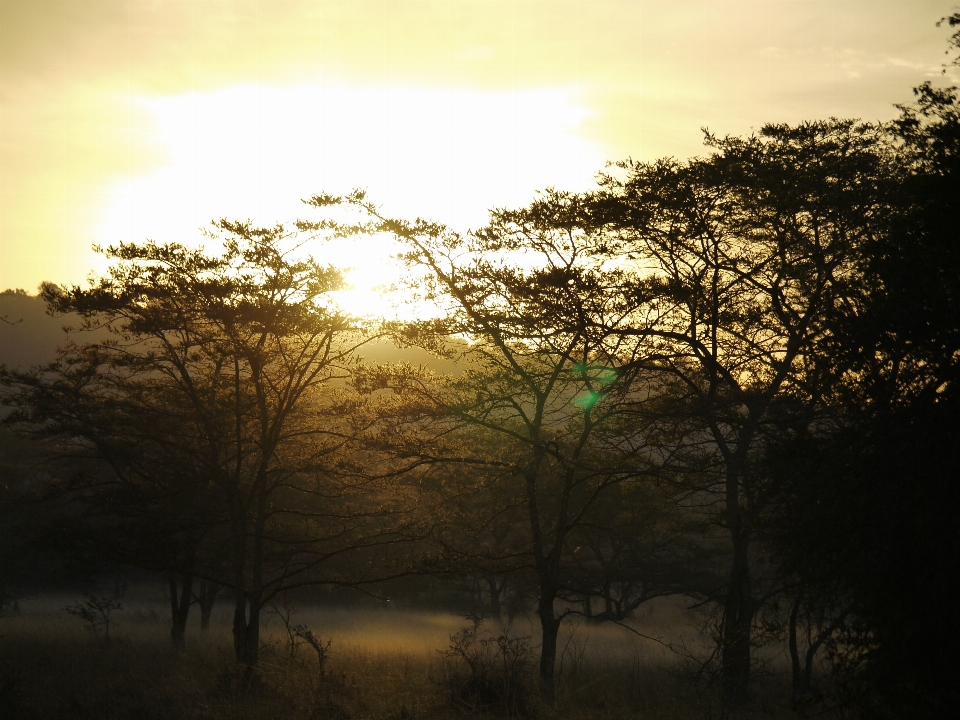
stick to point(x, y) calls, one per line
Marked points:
point(96, 612)
point(497, 670)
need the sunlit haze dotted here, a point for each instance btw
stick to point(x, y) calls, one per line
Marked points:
point(127, 120)
point(254, 152)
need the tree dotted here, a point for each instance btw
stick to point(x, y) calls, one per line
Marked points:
point(143, 491)
point(743, 258)
point(640, 542)
point(26, 561)
point(536, 415)
point(864, 511)
point(954, 41)
point(238, 353)
point(865, 526)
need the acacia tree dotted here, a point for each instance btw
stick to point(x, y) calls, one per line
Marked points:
point(746, 256)
point(865, 509)
point(238, 351)
point(529, 309)
point(146, 500)
point(639, 543)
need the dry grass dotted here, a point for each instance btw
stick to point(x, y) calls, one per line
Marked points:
point(383, 665)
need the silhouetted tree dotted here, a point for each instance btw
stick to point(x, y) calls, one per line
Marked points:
point(143, 493)
point(865, 508)
point(954, 40)
point(233, 357)
point(639, 543)
point(741, 258)
point(535, 414)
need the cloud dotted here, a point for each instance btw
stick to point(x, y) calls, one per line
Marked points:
point(253, 151)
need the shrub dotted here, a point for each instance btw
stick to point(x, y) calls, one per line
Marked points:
point(96, 613)
point(497, 670)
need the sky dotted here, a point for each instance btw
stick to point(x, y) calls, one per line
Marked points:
point(136, 119)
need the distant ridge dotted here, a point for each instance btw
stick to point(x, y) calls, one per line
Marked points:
point(30, 337)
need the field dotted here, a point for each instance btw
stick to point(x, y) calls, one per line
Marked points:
point(382, 663)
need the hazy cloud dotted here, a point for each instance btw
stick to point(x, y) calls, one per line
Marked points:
point(77, 79)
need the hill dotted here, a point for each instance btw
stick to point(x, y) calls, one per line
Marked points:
point(29, 337)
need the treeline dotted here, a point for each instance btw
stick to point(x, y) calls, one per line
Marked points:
point(732, 378)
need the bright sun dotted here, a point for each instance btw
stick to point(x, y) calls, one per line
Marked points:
point(254, 152)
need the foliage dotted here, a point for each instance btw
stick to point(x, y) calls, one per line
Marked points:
point(954, 41)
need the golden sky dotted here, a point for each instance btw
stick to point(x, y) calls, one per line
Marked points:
point(128, 119)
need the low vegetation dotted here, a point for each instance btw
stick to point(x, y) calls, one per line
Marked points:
point(380, 664)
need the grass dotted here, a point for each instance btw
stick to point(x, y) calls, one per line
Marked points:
point(383, 665)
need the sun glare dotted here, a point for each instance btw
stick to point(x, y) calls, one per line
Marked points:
point(254, 152)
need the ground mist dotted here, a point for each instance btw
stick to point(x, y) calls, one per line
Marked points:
point(383, 663)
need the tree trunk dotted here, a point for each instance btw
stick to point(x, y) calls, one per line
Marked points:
point(249, 585)
point(586, 601)
point(240, 597)
point(180, 610)
point(240, 627)
point(807, 687)
point(246, 632)
point(208, 596)
point(550, 627)
point(798, 689)
point(253, 635)
point(737, 623)
point(495, 590)
point(478, 589)
point(255, 589)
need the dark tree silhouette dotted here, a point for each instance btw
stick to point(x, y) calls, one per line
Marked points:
point(215, 389)
point(742, 258)
point(865, 507)
point(538, 411)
